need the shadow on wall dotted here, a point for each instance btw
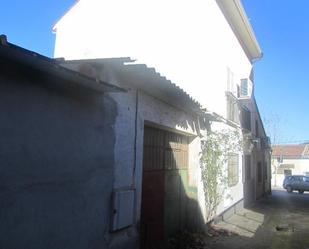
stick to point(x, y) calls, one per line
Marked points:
point(55, 178)
point(169, 201)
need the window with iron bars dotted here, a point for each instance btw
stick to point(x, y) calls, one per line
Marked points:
point(233, 169)
point(232, 108)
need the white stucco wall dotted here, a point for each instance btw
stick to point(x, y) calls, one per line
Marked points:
point(190, 43)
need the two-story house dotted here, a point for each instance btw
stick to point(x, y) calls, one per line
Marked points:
point(207, 48)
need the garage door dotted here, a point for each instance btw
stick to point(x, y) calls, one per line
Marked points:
point(165, 174)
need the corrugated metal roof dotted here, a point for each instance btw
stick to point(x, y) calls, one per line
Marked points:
point(152, 82)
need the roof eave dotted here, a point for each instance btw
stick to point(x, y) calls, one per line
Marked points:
point(157, 85)
point(239, 22)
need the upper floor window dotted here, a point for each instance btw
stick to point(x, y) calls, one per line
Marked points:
point(232, 108)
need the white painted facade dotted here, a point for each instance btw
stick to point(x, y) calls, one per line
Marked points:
point(191, 43)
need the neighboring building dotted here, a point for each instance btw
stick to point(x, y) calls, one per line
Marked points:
point(289, 159)
point(257, 154)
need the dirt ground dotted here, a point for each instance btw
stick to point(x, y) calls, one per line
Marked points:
point(280, 220)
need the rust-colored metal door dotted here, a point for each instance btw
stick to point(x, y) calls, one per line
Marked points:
point(165, 153)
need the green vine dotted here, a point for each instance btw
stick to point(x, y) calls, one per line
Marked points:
point(214, 155)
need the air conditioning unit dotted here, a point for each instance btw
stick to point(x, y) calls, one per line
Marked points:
point(246, 89)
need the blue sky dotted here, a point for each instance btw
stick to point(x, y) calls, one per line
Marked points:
point(29, 23)
point(281, 76)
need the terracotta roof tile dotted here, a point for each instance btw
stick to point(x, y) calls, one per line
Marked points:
point(290, 150)
point(306, 150)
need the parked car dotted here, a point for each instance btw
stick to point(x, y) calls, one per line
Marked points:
point(296, 182)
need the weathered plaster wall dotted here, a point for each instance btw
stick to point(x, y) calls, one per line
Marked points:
point(154, 112)
point(135, 110)
point(150, 111)
point(56, 172)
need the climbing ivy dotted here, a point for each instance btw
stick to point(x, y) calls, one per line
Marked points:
point(215, 149)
